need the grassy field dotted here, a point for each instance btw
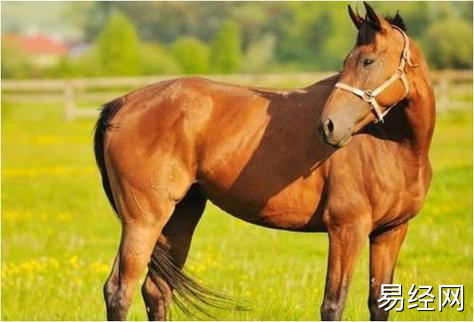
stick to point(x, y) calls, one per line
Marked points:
point(59, 235)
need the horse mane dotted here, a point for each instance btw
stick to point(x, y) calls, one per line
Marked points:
point(396, 20)
point(367, 31)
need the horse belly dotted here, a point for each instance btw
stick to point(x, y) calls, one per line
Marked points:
point(296, 207)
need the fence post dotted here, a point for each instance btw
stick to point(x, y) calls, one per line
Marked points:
point(69, 109)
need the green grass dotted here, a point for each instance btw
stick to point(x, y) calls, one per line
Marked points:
point(59, 235)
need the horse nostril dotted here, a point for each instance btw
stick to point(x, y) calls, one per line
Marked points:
point(328, 126)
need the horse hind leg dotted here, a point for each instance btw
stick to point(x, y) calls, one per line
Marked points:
point(166, 280)
point(170, 254)
point(143, 212)
point(112, 284)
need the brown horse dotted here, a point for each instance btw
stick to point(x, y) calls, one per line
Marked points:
point(165, 149)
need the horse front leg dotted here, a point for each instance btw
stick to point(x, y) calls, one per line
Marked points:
point(345, 245)
point(384, 249)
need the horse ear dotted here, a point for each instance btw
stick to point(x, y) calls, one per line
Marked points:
point(372, 17)
point(398, 21)
point(356, 19)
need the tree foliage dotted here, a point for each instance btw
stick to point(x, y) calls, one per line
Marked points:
point(455, 53)
point(118, 46)
point(156, 60)
point(225, 50)
point(259, 55)
point(228, 37)
point(15, 63)
point(192, 54)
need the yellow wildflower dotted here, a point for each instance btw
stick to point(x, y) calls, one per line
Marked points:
point(74, 261)
point(99, 267)
point(53, 263)
point(64, 217)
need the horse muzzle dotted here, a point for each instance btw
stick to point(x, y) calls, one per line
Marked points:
point(333, 135)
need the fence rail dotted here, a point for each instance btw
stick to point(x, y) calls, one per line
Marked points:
point(449, 84)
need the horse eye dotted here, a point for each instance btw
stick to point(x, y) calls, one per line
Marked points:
point(368, 61)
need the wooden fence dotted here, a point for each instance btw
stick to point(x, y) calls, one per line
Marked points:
point(451, 88)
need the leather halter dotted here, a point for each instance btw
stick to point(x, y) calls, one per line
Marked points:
point(369, 95)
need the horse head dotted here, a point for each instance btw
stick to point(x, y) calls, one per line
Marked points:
point(373, 78)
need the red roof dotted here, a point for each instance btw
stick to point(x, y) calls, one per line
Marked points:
point(39, 44)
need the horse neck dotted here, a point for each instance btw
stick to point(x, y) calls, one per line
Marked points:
point(420, 109)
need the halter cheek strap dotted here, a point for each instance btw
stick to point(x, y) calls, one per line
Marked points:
point(369, 96)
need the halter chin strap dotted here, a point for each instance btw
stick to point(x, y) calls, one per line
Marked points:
point(369, 96)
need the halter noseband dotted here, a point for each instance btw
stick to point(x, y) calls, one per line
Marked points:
point(369, 96)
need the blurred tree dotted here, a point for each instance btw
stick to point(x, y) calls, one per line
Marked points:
point(306, 27)
point(118, 46)
point(65, 68)
point(15, 63)
point(277, 36)
point(417, 15)
point(156, 60)
point(166, 21)
point(341, 38)
point(465, 9)
point(192, 55)
point(259, 54)
point(253, 19)
point(298, 34)
point(87, 65)
point(448, 43)
point(225, 50)
point(88, 16)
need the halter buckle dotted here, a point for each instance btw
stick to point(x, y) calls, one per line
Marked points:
point(400, 72)
point(368, 95)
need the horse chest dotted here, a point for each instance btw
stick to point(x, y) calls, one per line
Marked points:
point(400, 198)
point(380, 186)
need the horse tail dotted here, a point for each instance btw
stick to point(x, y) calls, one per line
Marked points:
point(103, 123)
point(190, 296)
